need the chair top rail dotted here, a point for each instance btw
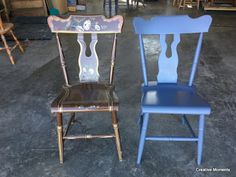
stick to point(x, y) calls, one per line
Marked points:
point(81, 24)
point(172, 24)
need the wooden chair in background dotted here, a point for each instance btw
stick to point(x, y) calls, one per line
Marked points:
point(183, 3)
point(166, 95)
point(89, 94)
point(6, 28)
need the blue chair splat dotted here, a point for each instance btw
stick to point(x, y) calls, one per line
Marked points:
point(168, 66)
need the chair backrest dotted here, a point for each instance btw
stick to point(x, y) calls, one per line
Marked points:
point(80, 25)
point(174, 25)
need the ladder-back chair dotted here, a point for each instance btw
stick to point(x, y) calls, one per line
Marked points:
point(89, 94)
point(6, 28)
point(167, 95)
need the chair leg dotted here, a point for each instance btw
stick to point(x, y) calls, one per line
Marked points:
point(17, 42)
point(174, 2)
point(7, 49)
point(117, 134)
point(116, 6)
point(110, 8)
point(184, 4)
point(200, 139)
point(140, 123)
point(180, 4)
point(60, 136)
point(127, 4)
point(142, 137)
point(104, 4)
point(198, 4)
point(183, 120)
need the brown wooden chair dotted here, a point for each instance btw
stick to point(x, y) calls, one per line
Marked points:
point(89, 94)
point(4, 29)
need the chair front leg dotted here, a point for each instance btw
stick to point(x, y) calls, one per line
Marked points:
point(142, 137)
point(7, 49)
point(200, 139)
point(60, 136)
point(17, 42)
point(140, 121)
point(117, 134)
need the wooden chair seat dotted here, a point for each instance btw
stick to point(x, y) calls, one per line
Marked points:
point(6, 28)
point(84, 97)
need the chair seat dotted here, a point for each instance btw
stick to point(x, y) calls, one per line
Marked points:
point(6, 28)
point(86, 97)
point(173, 99)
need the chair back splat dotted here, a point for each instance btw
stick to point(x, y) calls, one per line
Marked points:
point(166, 95)
point(80, 25)
point(163, 26)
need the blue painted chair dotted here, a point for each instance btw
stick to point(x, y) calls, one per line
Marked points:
point(167, 95)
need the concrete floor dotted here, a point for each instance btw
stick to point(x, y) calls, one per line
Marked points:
point(28, 146)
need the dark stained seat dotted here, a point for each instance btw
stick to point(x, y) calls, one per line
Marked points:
point(83, 96)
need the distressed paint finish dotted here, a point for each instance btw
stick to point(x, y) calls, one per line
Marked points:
point(88, 65)
point(89, 24)
point(88, 95)
point(85, 24)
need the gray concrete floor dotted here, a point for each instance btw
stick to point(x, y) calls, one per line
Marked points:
point(28, 146)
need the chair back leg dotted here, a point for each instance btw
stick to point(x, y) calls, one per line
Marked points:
point(117, 134)
point(104, 4)
point(200, 138)
point(60, 136)
point(142, 137)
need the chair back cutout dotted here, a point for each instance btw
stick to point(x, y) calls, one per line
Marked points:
point(87, 24)
point(174, 25)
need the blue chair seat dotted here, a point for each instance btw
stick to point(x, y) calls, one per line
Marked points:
point(173, 99)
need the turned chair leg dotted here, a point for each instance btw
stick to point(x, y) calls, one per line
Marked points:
point(116, 6)
point(142, 137)
point(198, 4)
point(117, 134)
point(7, 49)
point(200, 139)
point(174, 2)
point(104, 4)
point(60, 136)
point(17, 42)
